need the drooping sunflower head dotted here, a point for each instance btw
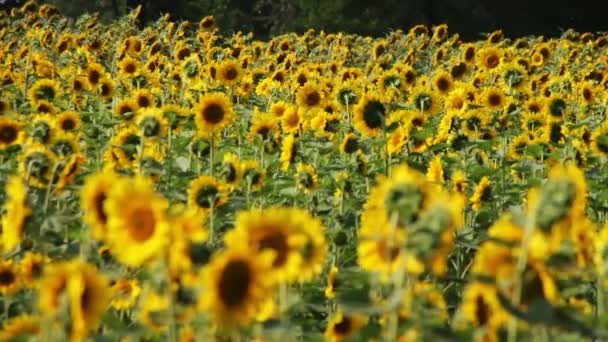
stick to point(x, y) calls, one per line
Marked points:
point(307, 177)
point(213, 113)
point(231, 169)
point(44, 89)
point(237, 284)
point(253, 174)
point(482, 194)
point(152, 123)
point(37, 163)
point(426, 100)
point(65, 145)
point(562, 199)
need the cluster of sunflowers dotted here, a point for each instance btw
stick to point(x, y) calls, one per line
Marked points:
point(177, 183)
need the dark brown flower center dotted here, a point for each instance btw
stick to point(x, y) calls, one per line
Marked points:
point(234, 283)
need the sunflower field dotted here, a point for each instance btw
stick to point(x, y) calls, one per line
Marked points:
point(174, 183)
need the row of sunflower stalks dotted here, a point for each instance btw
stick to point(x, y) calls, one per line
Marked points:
point(174, 182)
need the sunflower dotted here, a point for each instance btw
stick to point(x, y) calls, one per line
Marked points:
point(513, 76)
point(277, 109)
point(152, 123)
point(332, 283)
point(489, 58)
point(126, 109)
point(154, 311)
point(125, 293)
point(231, 170)
point(144, 98)
point(475, 122)
point(263, 125)
point(68, 122)
point(493, 98)
point(309, 96)
point(557, 107)
point(295, 237)
point(292, 120)
point(69, 172)
point(136, 219)
point(95, 72)
point(16, 213)
point(32, 267)
point(599, 141)
point(369, 115)
point(229, 72)
point(89, 294)
point(129, 67)
point(44, 90)
point(434, 173)
point(254, 175)
point(207, 191)
point(481, 306)
point(19, 327)
point(457, 100)
point(236, 285)
point(307, 177)
point(431, 238)
point(560, 202)
point(213, 113)
point(65, 145)
point(106, 88)
point(518, 146)
point(124, 146)
point(342, 326)
point(289, 149)
point(443, 82)
point(207, 24)
point(11, 132)
point(482, 194)
point(93, 195)
point(426, 101)
point(10, 278)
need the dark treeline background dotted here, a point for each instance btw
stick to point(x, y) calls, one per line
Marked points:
point(470, 18)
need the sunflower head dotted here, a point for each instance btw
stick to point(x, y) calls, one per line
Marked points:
point(237, 285)
point(207, 191)
point(136, 216)
point(10, 277)
point(213, 113)
point(370, 115)
point(11, 132)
